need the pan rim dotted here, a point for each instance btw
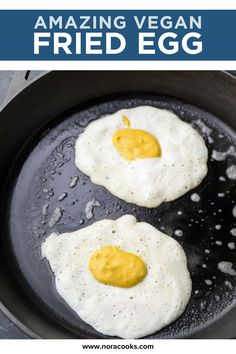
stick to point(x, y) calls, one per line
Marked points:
point(4, 308)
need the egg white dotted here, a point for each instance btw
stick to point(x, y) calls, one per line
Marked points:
point(145, 182)
point(124, 312)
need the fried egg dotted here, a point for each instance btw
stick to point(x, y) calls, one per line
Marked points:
point(124, 278)
point(143, 155)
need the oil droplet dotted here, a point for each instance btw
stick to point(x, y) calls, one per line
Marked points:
point(74, 181)
point(195, 197)
point(56, 216)
point(90, 206)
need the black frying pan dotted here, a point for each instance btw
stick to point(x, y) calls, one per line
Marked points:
point(38, 130)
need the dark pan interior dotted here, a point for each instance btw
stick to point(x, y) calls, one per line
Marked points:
point(44, 179)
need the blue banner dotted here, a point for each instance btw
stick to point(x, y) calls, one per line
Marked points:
point(118, 35)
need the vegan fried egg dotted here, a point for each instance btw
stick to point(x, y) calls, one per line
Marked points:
point(124, 278)
point(143, 155)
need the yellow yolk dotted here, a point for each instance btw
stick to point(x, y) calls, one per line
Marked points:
point(112, 266)
point(135, 144)
point(126, 121)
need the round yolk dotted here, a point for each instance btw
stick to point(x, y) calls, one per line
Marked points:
point(112, 266)
point(135, 144)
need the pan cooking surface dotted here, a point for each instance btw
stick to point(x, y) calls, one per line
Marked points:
point(50, 193)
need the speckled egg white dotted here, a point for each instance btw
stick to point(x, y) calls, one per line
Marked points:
point(124, 312)
point(145, 182)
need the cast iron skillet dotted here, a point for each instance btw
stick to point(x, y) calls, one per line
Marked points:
point(38, 130)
